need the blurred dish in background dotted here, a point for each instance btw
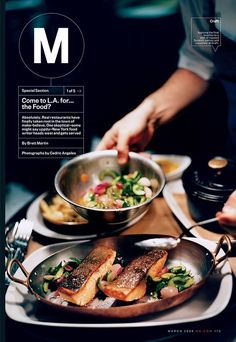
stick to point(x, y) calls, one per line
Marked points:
point(79, 231)
point(60, 231)
point(172, 165)
point(208, 183)
point(57, 211)
point(176, 199)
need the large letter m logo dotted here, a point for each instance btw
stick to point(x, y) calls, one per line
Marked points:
point(41, 41)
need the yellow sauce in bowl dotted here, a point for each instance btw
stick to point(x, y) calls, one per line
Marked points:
point(167, 165)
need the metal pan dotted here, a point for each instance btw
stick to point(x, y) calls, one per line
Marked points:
point(195, 257)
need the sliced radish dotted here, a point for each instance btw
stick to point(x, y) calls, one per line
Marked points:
point(100, 189)
point(68, 268)
point(119, 185)
point(115, 271)
point(148, 192)
point(163, 271)
point(144, 181)
point(168, 291)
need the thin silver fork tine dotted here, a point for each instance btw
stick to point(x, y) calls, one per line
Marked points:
point(24, 231)
point(23, 234)
point(13, 232)
point(21, 240)
point(15, 228)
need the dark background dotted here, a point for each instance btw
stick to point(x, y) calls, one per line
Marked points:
point(124, 61)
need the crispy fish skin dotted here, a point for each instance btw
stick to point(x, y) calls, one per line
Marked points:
point(80, 287)
point(131, 283)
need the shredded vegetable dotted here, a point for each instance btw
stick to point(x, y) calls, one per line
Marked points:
point(55, 275)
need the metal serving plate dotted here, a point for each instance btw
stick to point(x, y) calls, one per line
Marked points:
point(198, 259)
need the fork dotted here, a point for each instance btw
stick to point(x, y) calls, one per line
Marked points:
point(22, 237)
point(10, 233)
point(18, 243)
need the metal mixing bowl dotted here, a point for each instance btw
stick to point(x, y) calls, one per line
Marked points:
point(69, 186)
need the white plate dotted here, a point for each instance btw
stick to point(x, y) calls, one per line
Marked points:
point(209, 301)
point(182, 161)
point(33, 214)
point(176, 187)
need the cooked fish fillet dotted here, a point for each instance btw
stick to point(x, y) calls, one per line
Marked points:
point(131, 283)
point(80, 287)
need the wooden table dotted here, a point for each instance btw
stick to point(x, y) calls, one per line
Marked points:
point(158, 220)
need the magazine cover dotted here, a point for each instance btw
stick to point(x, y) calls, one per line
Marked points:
point(119, 144)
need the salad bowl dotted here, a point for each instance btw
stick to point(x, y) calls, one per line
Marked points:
point(74, 178)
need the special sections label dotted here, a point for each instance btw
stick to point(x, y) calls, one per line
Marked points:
point(50, 121)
